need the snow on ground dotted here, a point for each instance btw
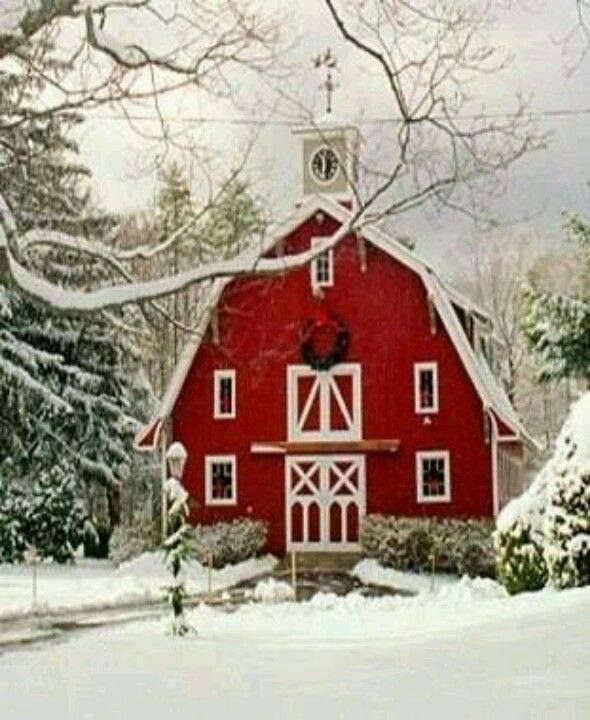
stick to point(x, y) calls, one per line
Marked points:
point(370, 572)
point(461, 653)
point(99, 584)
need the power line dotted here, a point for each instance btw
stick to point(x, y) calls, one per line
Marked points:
point(204, 119)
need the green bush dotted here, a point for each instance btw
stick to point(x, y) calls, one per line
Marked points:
point(48, 517)
point(462, 547)
point(56, 519)
point(230, 543)
point(520, 563)
point(13, 531)
point(567, 530)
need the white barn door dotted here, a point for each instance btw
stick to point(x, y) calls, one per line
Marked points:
point(325, 501)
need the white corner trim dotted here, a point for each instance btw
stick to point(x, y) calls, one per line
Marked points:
point(494, 453)
point(218, 376)
point(210, 460)
point(418, 368)
point(433, 455)
point(329, 282)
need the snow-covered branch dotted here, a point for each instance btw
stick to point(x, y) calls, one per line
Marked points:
point(250, 263)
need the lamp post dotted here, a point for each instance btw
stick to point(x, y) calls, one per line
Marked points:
point(175, 457)
point(178, 546)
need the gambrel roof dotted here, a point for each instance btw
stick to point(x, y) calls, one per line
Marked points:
point(440, 292)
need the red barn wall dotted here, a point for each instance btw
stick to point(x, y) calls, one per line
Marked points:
point(386, 311)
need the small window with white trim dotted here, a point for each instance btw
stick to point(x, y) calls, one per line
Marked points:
point(322, 267)
point(433, 476)
point(224, 394)
point(220, 480)
point(426, 387)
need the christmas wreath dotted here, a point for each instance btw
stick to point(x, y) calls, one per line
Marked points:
point(324, 342)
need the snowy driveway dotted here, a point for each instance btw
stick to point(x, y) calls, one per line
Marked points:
point(452, 657)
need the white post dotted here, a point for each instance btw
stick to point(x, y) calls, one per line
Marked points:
point(164, 477)
point(209, 576)
point(294, 573)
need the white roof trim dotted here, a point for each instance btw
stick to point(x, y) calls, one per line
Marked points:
point(491, 393)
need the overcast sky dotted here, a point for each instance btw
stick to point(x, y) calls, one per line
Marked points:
point(541, 185)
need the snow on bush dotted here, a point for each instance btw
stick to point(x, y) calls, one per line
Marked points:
point(567, 544)
point(13, 537)
point(230, 543)
point(456, 546)
point(49, 517)
point(273, 591)
point(545, 533)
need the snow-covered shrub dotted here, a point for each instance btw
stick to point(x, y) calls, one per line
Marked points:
point(567, 529)
point(520, 561)
point(404, 543)
point(231, 542)
point(13, 537)
point(466, 547)
point(56, 520)
point(545, 533)
point(129, 541)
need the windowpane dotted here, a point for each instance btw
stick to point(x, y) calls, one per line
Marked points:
point(433, 477)
point(221, 481)
point(225, 395)
point(426, 389)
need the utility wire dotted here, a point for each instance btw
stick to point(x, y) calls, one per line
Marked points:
point(560, 113)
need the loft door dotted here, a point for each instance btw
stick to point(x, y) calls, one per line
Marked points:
point(324, 405)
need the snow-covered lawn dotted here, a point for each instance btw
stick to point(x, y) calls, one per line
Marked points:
point(465, 652)
point(99, 584)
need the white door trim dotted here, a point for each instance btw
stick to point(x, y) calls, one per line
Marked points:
point(325, 498)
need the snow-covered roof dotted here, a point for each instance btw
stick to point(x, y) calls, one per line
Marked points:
point(440, 292)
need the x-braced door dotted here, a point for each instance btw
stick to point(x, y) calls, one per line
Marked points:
point(325, 501)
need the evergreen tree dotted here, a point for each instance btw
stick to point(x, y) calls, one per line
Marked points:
point(220, 231)
point(557, 326)
point(69, 386)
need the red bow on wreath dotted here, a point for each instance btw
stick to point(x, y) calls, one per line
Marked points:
point(324, 342)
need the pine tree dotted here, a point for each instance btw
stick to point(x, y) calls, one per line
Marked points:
point(69, 386)
point(203, 235)
point(557, 326)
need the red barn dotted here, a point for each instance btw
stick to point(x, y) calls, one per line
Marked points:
point(359, 383)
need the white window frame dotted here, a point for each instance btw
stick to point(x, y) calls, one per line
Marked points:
point(211, 460)
point(315, 283)
point(418, 368)
point(218, 376)
point(433, 455)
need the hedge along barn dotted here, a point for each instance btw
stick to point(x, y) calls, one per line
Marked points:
point(358, 383)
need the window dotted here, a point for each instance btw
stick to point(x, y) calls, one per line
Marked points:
point(433, 476)
point(220, 480)
point(426, 387)
point(322, 268)
point(224, 398)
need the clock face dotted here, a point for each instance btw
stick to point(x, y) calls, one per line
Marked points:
point(324, 164)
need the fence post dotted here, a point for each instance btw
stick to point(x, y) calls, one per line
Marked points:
point(294, 573)
point(209, 576)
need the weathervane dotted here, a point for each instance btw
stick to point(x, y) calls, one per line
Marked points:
point(328, 61)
